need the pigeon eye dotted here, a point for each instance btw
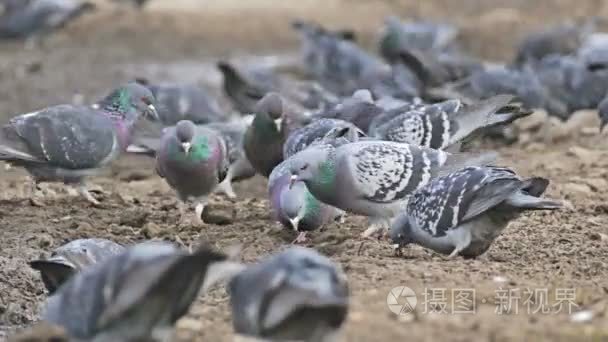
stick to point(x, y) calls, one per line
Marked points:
point(304, 167)
point(146, 100)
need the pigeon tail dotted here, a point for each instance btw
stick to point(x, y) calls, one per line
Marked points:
point(500, 109)
point(529, 196)
point(457, 161)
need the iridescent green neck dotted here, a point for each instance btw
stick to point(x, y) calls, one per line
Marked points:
point(199, 151)
point(324, 182)
point(119, 102)
point(311, 205)
point(266, 127)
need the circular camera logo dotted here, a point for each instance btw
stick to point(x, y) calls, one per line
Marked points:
point(401, 300)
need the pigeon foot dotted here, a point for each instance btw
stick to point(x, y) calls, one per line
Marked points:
point(300, 239)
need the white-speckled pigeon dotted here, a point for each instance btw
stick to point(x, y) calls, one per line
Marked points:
point(294, 206)
point(194, 161)
point(73, 257)
point(65, 143)
point(446, 124)
point(25, 18)
point(314, 131)
point(296, 295)
point(463, 212)
point(137, 295)
point(175, 102)
point(374, 178)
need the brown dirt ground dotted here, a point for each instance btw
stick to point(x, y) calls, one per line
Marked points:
point(565, 249)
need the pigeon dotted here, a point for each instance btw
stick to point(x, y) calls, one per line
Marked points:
point(315, 131)
point(65, 143)
point(394, 109)
point(358, 109)
point(294, 206)
point(563, 39)
point(594, 51)
point(374, 178)
point(575, 84)
point(418, 35)
point(442, 125)
point(193, 160)
point(137, 295)
point(176, 102)
point(26, 18)
point(245, 87)
point(296, 295)
point(264, 138)
point(71, 258)
point(483, 84)
point(462, 213)
point(339, 65)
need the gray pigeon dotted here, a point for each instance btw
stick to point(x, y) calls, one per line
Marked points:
point(73, 257)
point(315, 131)
point(137, 295)
point(294, 206)
point(245, 87)
point(563, 39)
point(417, 35)
point(463, 212)
point(26, 18)
point(176, 102)
point(358, 109)
point(139, 4)
point(373, 178)
point(65, 143)
point(442, 125)
point(264, 138)
point(296, 295)
point(193, 160)
point(339, 65)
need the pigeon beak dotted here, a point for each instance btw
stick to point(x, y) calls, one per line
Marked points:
point(292, 180)
point(295, 223)
point(186, 146)
point(278, 123)
point(151, 112)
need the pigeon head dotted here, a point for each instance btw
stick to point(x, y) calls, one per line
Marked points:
point(184, 132)
point(130, 101)
point(272, 105)
point(297, 204)
point(316, 273)
point(401, 232)
point(312, 166)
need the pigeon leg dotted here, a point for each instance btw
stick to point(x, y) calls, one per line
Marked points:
point(300, 239)
point(461, 238)
point(82, 189)
point(183, 209)
point(226, 187)
point(199, 210)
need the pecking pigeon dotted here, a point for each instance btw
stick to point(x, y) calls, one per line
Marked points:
point(463, 212)
point(264, 138)
point(296, 295)
point(193, 160)
point(176, 102)
point(65, 143)
point(137, 295)
point(294, 206)
point(373, 178)
point(358, 109)
point(72, 258)
point(26, 18)
point(446, 124)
